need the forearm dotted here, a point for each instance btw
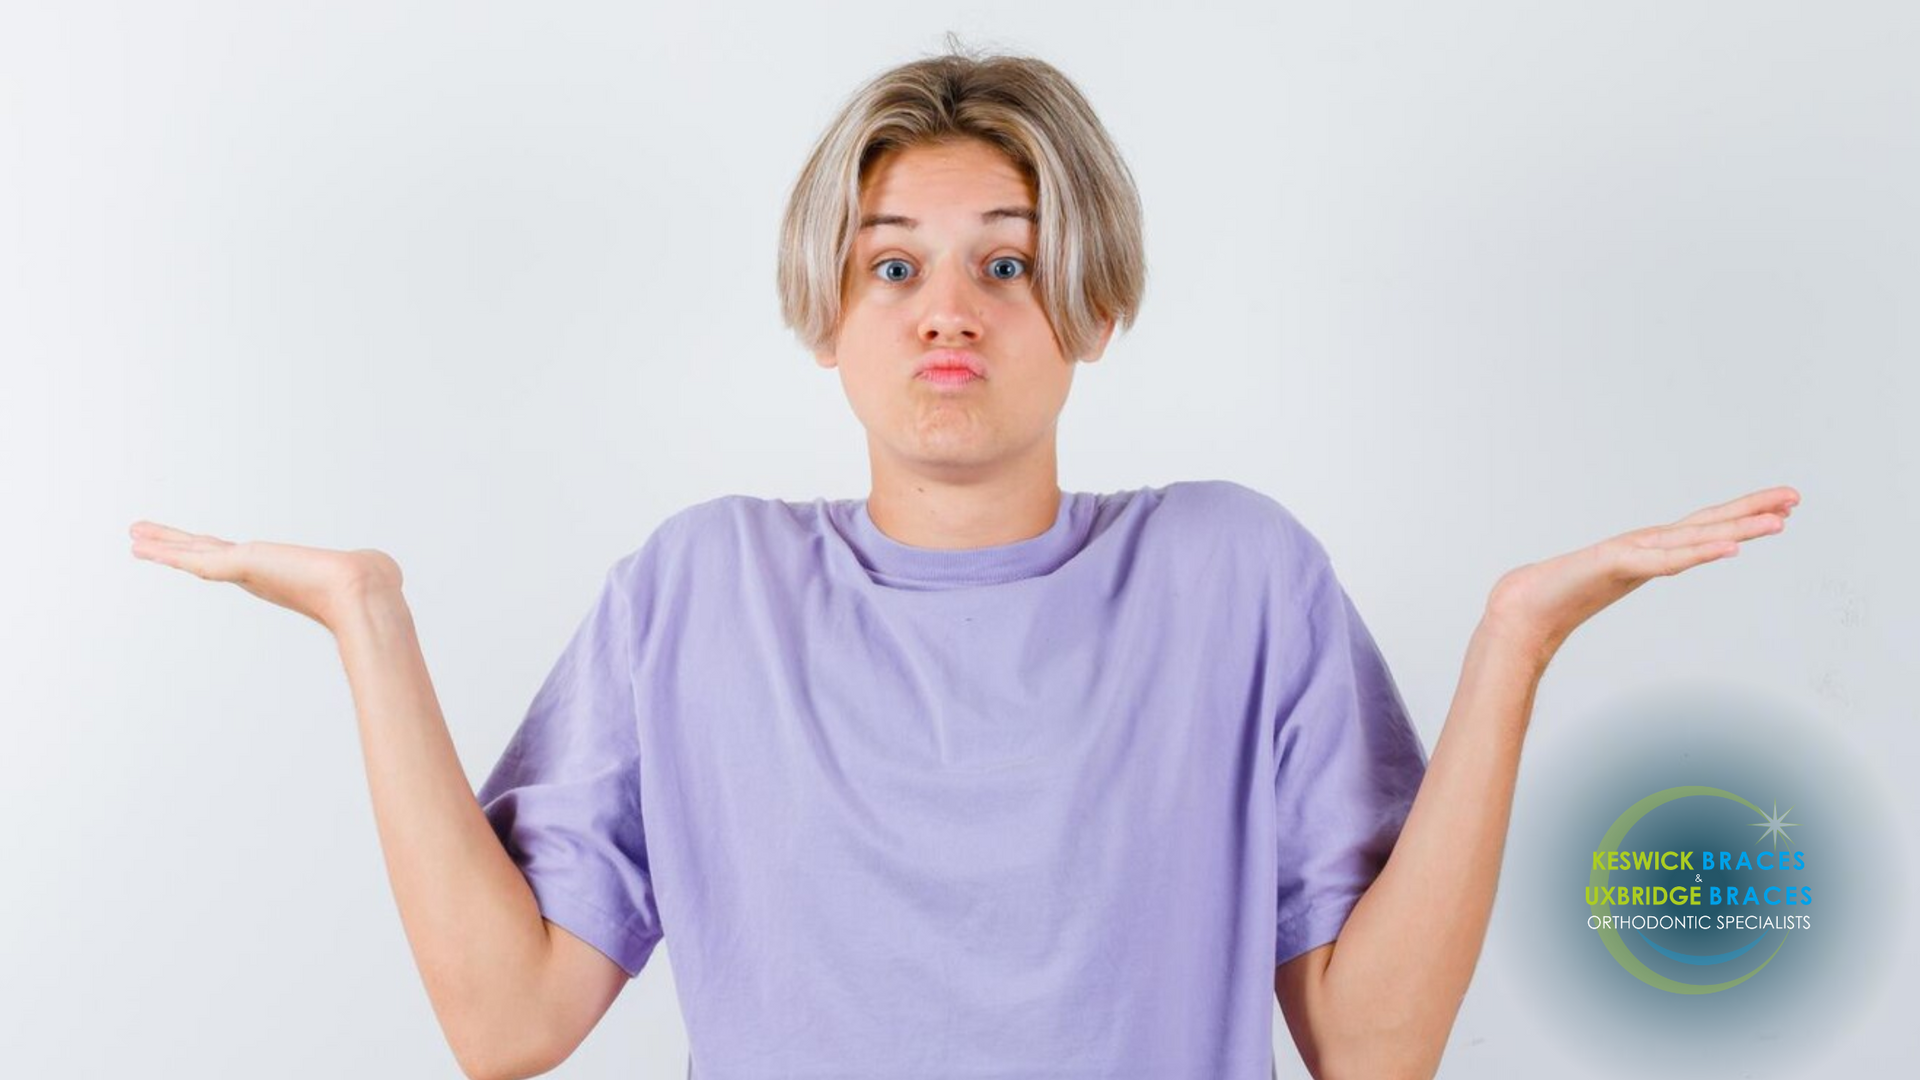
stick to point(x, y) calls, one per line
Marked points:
point(1396, 976)
point(470, 917)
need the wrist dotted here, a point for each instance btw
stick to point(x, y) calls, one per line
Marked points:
point(368, 598)
point(1516, 639)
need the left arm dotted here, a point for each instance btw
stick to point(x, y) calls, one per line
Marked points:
point(1410, 944)
point(1381, 1001)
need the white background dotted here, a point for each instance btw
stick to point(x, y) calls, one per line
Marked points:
point(490, 287)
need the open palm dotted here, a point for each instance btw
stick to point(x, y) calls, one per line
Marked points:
point(1544, 602)
point(309, 580)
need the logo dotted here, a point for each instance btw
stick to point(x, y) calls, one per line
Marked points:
point(1705, 911)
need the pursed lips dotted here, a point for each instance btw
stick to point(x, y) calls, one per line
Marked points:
point(951, 366)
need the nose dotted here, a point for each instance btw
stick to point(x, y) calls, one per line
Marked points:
point(952, 303)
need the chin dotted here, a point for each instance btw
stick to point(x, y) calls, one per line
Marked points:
point(951, 455)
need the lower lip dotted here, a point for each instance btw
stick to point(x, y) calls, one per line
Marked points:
point(949, 376)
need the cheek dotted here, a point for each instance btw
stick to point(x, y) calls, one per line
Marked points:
point(874, 393)
point(874, 334)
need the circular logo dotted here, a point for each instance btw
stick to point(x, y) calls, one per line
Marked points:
point(1693, 891)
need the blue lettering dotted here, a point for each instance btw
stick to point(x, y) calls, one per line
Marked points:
point(1743, 864)
point(1763, 860)
point(1771, 889)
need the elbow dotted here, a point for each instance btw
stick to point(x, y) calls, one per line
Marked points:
point(1385, 1027)
point(475, 1067)
point(482, 1059)
point(1380, 1054)
point(1376, 1067)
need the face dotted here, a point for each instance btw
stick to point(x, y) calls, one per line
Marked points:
point(944, 260)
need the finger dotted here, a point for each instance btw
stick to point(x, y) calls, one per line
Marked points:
point(200, 556)
point(160, 549)
point(180, 539)
point(158, 531)
point(210, 563)
point(1775, 499)
point(1664, 561)
point(1746, 528)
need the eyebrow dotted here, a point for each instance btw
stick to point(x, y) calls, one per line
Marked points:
point(996, 214)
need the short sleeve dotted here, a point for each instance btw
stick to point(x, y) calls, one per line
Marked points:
point(565, 795)
point(1348, 763)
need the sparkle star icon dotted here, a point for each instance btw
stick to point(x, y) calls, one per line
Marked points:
point(1776, 826)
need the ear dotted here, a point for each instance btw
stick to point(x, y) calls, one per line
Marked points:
point(825, 354)
point(1099, 347)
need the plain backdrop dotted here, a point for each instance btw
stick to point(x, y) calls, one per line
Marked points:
point(490, 287)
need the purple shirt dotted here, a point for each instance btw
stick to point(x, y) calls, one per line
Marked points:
point(1053, 808)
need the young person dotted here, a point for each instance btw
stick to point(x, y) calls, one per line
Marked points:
point(973, 776)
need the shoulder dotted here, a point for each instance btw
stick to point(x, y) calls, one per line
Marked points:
point(735, 516)
point(720, 528)
point(706, 518)
point(1232, 509)
point(1226, 500)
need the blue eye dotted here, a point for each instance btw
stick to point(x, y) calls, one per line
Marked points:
point(1013, 275)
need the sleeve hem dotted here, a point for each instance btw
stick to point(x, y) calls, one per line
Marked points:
point(595, 927)
point(1316, 925)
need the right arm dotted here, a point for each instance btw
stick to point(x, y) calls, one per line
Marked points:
point(514, 994)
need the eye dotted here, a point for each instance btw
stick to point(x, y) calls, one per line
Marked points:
point(1004, 268)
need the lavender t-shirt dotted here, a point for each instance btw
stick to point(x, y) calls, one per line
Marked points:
point(1053, 808)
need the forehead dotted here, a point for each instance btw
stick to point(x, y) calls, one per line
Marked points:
point(958, 179)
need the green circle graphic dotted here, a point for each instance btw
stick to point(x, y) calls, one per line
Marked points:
point(1611, 936)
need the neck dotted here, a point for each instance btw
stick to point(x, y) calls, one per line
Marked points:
point(952, 512)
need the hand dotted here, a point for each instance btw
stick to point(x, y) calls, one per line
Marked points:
point(316, 582)
point(1539, 605)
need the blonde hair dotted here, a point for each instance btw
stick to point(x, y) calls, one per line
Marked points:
point(1091, 262)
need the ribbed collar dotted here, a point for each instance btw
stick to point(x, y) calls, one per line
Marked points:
point(904, 566)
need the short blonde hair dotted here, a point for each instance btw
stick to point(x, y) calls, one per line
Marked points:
point(1091, 262)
